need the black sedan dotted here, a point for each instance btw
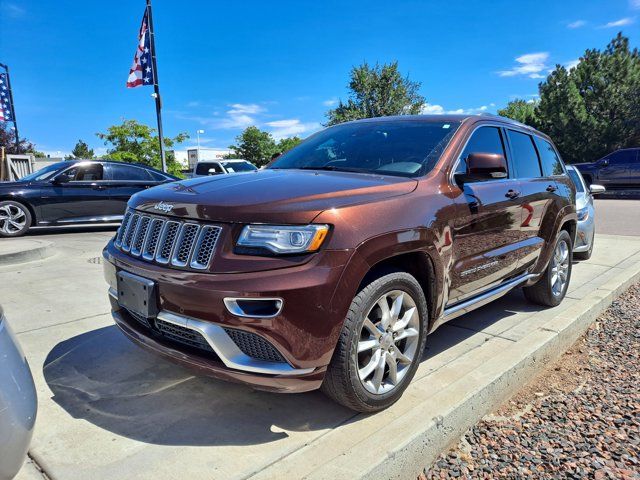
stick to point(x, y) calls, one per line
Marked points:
point(73, 193)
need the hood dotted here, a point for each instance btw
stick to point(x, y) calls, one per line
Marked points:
point(269, 196)
point(12, 185)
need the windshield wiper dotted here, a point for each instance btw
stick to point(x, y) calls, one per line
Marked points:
point(336, 168)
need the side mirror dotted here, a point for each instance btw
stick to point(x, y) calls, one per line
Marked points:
point(595, 189)
point(213, 171)
point(60, 179)
point(485, 166)
point(604, 162)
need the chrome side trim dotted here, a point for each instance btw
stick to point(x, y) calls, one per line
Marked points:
point(227, 350)
point(232, 305)
point(482, 299)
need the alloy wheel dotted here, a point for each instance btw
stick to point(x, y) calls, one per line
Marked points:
point(560, 268)
point(13, 219)
point(388, 342)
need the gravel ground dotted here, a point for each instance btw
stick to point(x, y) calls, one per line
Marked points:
point(579, 419)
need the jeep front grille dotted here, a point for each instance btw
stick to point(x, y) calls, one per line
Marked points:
point(167, 241)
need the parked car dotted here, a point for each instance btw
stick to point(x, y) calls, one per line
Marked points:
point(619, 169)
point(18, 403)
point(73, 193)
point(218, 167)
point(583, 247)
point(329, 268)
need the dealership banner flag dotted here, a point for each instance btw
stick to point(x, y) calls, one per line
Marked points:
point(142, 71)
point(7, 114)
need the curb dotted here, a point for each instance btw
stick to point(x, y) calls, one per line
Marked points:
point(34, 250)
point(412, 438)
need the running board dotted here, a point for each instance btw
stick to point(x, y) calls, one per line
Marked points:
point(482, 299)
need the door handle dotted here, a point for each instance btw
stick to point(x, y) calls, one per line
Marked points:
point(512, 194)
point(551, 188)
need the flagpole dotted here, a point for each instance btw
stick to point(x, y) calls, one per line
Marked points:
point(156, 87)
point(13, 108)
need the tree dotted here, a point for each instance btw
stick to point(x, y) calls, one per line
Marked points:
point(377, 92)
point(135, 142)
point(594, 108)
point(8, 141)
point(81, 150)
point(254, 145)
point(522, 111)
point(286, 144)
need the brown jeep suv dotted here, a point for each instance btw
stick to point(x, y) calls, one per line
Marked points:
point(330, 268)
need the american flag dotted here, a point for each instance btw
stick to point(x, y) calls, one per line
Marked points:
point(6, 108)
point(141, 72)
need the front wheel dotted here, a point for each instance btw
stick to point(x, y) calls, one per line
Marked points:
point(15, 219)
point(380, 345)
point(554, 282)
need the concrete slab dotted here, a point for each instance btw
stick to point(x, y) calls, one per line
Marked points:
point(111, 410)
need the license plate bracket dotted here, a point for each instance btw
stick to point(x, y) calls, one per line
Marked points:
point(137, 294)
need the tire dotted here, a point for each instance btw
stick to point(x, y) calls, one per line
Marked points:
point(585, 255)
point(343, 381)
point(545, 291)
point(15, 219)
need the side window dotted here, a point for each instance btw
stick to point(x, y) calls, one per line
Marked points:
point(156, 176)
point(551, 163)
point(86, 173)
point(483, 140)
point(128, 172)
point(525, 157)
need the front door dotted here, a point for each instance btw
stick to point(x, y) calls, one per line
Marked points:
point(83, 199)
point(487, 234)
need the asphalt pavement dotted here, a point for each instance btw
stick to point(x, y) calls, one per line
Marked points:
point(617, 217)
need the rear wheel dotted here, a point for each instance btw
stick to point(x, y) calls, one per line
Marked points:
point(15, 219)
point(552, 286)
point(380, 345)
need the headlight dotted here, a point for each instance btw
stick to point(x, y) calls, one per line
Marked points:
point(583, 214)
point(284, 239)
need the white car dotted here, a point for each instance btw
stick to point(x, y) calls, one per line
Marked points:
point(205, 168)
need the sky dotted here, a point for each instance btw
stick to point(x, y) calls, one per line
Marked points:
point(280, 65)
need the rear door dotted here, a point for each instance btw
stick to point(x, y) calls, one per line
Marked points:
point(126, 180)
point(81, 200)
point(487, 225)
point(538, 190)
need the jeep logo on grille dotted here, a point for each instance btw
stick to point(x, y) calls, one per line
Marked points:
point(163, 207)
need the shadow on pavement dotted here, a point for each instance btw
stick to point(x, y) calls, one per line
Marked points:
point(101, 377)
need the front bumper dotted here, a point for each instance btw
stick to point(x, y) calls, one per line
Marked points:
point(303, 332)
point(584, 233)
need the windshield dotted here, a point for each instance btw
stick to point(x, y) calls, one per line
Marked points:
point(238, 167)
point(576, 179)
point(45, 172)
point(407, 148)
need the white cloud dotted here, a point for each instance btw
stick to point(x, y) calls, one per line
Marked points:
point(431, 109)
point(331, 102)
point(239, 115)
point(619, 23)
point(576, 24)
point(290, 128)
point(634, 4)
point(530, 65)
point(193, 103)
point(572, 64)
point(12, 10)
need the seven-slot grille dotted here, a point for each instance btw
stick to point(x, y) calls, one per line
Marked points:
point(166, 241)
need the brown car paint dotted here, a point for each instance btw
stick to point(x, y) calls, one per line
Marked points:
point(460, 241)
